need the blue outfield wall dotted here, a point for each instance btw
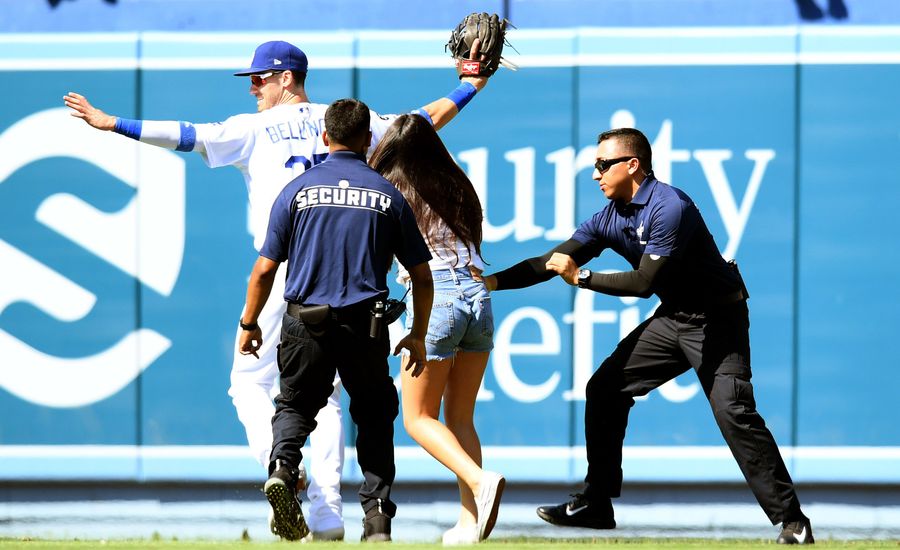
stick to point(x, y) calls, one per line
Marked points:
point(125, 265)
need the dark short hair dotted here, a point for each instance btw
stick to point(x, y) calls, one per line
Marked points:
point(347, 121)
point(635, 142)
point(299, 77)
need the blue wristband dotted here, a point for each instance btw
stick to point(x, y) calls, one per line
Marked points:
point(128, 127)
point(188, 137)
point(424, 114)
point(462, 94)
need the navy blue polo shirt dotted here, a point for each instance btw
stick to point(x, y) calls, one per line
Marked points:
point(662, 220)
point(339, 225)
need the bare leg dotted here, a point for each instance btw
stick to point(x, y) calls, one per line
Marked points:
point(459, 410)
point(421, 408)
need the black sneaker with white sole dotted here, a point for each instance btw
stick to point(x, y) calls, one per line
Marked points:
point(796, 532)
point(376, 525)
point(580, 512)
point(287, 519)
point(302, 482)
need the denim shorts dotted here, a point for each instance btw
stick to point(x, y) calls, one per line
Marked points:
point(461, 315)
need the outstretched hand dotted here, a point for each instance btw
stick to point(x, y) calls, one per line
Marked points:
point(82, 108)
point(416, 347)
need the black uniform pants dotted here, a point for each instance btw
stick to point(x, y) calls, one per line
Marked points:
point(307, 365)
point(716, 345)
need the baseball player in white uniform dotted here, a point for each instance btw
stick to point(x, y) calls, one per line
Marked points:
point(271, 148)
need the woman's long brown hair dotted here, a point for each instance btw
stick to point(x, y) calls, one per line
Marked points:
point(415, 160)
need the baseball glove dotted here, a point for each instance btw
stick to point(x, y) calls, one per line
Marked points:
point(477, 44)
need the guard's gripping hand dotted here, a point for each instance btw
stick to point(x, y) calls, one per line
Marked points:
point(477, 44)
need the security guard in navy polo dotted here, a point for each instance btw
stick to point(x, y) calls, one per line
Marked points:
point(702, 323)
point(338, 226)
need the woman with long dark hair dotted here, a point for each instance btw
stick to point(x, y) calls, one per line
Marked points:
point(461, 329)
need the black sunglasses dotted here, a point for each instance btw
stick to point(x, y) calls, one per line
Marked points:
point(604, 165)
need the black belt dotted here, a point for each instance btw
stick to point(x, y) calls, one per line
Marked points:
point(355, 312)
point(709, 304)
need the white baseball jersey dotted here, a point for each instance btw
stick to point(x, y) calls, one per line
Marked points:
point(271, 148)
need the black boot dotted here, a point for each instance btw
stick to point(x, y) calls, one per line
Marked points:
point(376, 526)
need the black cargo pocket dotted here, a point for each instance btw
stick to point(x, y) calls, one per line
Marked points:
point(288, 354)
point(743, 395)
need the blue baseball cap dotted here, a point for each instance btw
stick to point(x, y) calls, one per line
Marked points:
point(276, 56)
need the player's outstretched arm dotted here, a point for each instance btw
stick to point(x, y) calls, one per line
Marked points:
point(82, 108)
point(443, 110)
point(170, 134)
point(476, 45)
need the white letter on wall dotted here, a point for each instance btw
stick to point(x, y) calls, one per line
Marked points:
point(504, 349)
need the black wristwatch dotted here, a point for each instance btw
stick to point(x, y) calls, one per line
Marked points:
point(251, 326)
point(584, 277)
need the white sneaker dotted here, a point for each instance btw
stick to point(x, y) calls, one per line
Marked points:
point(334, 534)
point(488, 502)
point(460, 535)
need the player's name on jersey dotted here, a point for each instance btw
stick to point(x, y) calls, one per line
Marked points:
point(342, 195)
point(295, 129)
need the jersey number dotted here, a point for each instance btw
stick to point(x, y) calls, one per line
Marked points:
point(307, 164)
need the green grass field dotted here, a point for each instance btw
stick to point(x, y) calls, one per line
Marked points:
point(502, 544)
